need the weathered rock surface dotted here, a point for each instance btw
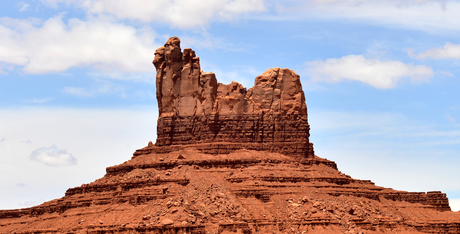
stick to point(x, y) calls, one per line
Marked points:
point(220, 166)
point(195, 109)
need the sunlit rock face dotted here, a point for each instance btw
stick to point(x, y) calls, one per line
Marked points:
point(195, 109)
point(231, 160)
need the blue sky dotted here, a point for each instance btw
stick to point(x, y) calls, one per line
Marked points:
point(77, 87)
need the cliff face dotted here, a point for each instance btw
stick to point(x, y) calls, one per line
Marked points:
point(231, 160)
point(195, 109)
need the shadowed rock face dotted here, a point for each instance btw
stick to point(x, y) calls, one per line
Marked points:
point(195, 109)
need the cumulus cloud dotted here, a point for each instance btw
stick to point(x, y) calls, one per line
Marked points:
point(377, 73)
point(178, 13)
point(55, 45)
point(448, 51)
point(52, 156)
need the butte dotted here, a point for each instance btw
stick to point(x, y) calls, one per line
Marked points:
point(231, 160)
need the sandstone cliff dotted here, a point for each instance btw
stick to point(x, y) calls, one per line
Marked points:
point(231, 160)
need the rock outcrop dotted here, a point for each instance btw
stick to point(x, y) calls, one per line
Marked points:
point(231, 160)
point(195, 109)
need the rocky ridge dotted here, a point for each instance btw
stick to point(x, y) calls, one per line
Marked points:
point(231, 160)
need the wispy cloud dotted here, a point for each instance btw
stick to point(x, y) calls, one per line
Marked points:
point(31, 203)
point(446, 73)
point(106, 88)
point(41, 100)
point(21, 185)
point(179, 14)
point(80, 92)
point(448, 51)
point(385, 124)
point(374, 72)
point(24, 6)
point(424, 15)
point(244, 75)
point(380, 145)
point(450, 118)
point(52, 156)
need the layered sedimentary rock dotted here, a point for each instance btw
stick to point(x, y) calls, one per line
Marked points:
point(195, 109)
point(231, 160)
point(187, 191)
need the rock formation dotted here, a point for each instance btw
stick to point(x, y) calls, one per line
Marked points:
point(194, 109)
point(231, 160)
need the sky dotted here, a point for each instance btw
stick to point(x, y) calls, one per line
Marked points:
point(77, 86)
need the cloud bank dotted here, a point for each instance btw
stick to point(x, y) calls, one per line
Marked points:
point(52, 156)
point(55, 46)
point(374, 72)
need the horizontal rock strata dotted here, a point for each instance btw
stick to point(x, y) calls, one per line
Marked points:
point(231, 160)
point(194, 108)
point(245, 191)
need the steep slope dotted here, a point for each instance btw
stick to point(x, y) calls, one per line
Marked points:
point(231, 160)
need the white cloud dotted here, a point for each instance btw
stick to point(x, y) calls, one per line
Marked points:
point(55, 46)
point(450, 118)
point(397, 2)
point(41, 100)
point(379, 146)
point(21, 185)
point(97, 137)
point(454, 204)
point(31, 203)
point(105, 88)
point(377, 73)
point(244, 75)
point(426, 15)
point(80, 92)
point(446, 73)
point(448, 51)
point(24, 6)
point(52, 156)
point(178, 13)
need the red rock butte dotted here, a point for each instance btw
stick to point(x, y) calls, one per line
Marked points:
point(194, 109)
point(231, 160)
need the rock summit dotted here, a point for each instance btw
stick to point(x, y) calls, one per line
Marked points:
point(194, 109)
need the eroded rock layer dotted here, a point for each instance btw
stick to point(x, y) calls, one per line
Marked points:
point(246, 191)
point(231, 160)
point(195, 109)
